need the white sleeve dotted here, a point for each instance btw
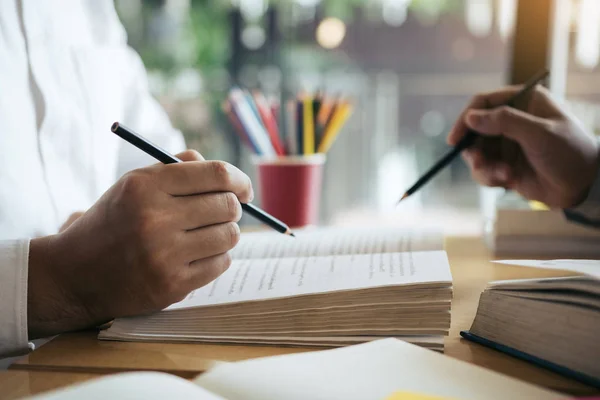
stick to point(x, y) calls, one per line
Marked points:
point(14, 258)
point(141, 112)
point(145, 116)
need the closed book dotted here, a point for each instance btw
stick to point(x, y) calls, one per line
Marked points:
point(551, 322)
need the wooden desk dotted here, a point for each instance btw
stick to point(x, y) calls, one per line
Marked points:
point(18, 384)
point(471, 269)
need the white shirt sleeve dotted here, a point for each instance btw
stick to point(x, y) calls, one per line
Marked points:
point(139, 111)
point(145, 116)
point(14, 258)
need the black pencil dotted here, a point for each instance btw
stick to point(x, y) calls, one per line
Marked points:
point(468, 140)
point(300, 125)
point(166, 158)
point(317, 104)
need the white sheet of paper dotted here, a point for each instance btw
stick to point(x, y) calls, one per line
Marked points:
point(586, 267)
point(370, 371)
point(262, 279)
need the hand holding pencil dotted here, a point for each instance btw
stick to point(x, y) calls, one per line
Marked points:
point(166, 158)
point(536, 149)
point(468, 136)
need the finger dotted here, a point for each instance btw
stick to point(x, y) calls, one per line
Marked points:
point(199, 211)
point(209, 241)
point(473, 157)
point(496, 174)
point(460, 129)
point(197, 177)
point(514, 124)
point(202, 272)
point(190, 155)
point(74, 217)
point(481, 101)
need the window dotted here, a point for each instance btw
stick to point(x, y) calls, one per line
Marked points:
point(409, 65)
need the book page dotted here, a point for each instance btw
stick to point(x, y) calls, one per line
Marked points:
point(370, 371)
point(335, 241)
point(262, 279)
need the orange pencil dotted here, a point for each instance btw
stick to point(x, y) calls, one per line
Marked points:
point(340, 116)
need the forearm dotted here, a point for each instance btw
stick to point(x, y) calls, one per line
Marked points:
point(51, 307)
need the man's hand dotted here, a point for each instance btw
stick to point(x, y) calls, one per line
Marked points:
point(72, 218)
point(157, 234)
point(542, 153)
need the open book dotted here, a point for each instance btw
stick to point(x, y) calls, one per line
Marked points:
point(386, 369)
point(324, 288)
point(552, 322)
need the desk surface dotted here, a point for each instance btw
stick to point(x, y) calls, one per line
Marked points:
point(471, 269)
point(18, 384)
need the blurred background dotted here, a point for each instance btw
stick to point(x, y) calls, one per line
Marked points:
point(409, 65)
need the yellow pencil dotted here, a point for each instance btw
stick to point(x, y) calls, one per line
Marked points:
point(342, 113)
point(309, 126)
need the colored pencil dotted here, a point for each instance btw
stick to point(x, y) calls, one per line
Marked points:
point(300, 125)
point(266, 116)
point(340, 116)
point(252, 124)
point(308, 129)
point(292, 128)
point(312, 122)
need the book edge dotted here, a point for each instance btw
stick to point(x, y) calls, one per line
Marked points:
point(540, 362)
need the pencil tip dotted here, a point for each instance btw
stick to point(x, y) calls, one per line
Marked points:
point(403, 197)
point(290, 233)
point(114, 126)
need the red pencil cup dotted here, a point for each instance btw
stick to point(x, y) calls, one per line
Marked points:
point(290, 188)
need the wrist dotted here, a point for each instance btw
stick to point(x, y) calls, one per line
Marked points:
point(591, 189)
point(52, 305)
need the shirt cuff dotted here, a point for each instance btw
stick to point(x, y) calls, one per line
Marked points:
point(588, 212)
point(14, 260)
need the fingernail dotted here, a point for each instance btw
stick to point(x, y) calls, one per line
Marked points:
point(502, 174)
point(475, 119)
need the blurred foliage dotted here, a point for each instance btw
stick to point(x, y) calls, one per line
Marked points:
point(202, 38)
point(208, 24)
point(171, 39)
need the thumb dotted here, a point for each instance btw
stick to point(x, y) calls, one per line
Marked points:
point(509, 122)
point(190, 155)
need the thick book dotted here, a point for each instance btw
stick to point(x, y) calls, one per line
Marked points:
point(551, 322)
point(327, 287)
point(386, 369)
